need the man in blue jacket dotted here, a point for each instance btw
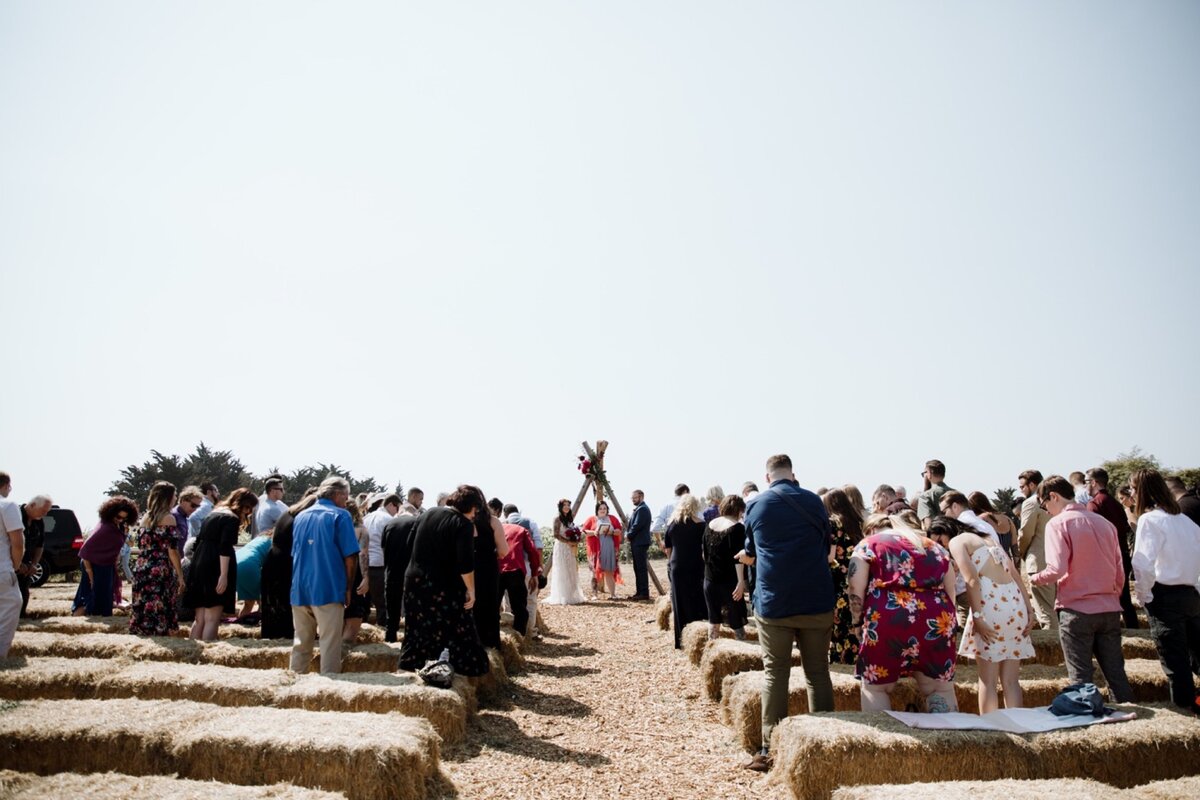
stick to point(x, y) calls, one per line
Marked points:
point(638, 537)
point(787, 542)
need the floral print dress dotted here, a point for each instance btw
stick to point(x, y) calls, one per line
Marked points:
point(1003, 609)
point(908, 619)
point(843, 646)
point(154, 585)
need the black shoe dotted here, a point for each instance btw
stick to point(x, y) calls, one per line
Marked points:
point(761, 762)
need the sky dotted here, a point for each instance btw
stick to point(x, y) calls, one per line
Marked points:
point(437, 243)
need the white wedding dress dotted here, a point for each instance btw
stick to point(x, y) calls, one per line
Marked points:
point(564, 576)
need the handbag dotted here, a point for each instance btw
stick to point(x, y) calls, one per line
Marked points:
point(438, 673)
point(1079, 699)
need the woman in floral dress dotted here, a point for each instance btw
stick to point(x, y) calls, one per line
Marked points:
point(901, 590)
point(158, 576)
point(846, 522)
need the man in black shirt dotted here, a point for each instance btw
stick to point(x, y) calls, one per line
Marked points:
point(32, 515)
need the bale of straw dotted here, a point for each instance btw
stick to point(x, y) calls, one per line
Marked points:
point(380, 693)
point(1165, 790)
point(695, 639)
point(725, 657)
point(490, 684)
point(817, 753)
point(662, 612)
point(76, 625)
point(368, 756)
point(1048, 649)
point(741, 704)
point(114, 786)
point(1070, 789)
point(246, 653)
point(511, 645)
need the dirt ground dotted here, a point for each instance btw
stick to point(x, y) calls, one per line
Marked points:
point(605, 708)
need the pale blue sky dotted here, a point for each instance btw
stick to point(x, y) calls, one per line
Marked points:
point(447, 242)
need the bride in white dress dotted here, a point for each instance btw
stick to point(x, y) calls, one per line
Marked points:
point(564, 568)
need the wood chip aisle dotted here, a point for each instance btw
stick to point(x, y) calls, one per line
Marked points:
point(604, 708)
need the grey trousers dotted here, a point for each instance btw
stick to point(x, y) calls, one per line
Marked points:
point(1085, 635)
point(811, 632)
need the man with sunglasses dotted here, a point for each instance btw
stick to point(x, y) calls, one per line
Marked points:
point(189, 500)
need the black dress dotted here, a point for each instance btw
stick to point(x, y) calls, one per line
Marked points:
point(217, 537)
point(276, 591)
point(487, 583)
point(720, 574)
point(434, 594)
point(686, 569)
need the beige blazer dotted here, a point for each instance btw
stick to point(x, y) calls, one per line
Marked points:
point(1032, 540)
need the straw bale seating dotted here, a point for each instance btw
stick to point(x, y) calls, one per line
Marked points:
point(100, 679)
point(365, 756)
point(662, 612)
point(114, 786)
point(817, 753)
point(67, 624)
point(248, 653)
point(741, 698)
point(1066, 789)
point(42, 607)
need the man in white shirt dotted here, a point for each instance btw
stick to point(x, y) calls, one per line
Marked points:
point(413, 501)
point(513, 516)
point(12, 551)
point(374, 522)
point(954, 504)
point(211, 497)
point(659, 526)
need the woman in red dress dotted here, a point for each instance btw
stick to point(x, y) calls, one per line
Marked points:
point(603, 544)
point(901, 591)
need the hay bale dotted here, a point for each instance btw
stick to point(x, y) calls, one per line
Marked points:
point(76, 625)
point(489, 685)
point(695, 639)
point(662, 612)
point(114, 786)
point(1048, 650)
point(817, 753)
point(741, 703)
point(1165, 790)
point(368, 756)
point(511, 644)
point(725, 657)
point(1071, 789)
point(379, 693)
point(245, 653)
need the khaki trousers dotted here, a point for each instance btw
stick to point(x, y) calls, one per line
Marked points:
point(1042, 598)
point(811, 633)
point(311, 622)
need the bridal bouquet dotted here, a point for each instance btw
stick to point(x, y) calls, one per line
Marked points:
point(572, 534)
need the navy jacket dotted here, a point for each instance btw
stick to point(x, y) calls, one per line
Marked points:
point(791, 548)
point(638, 534)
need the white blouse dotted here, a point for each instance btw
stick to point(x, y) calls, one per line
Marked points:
point(1167, 551)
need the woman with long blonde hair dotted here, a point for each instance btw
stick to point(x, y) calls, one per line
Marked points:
point(901, 593)
point(683, 542)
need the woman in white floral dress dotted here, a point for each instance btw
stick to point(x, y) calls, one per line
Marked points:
point(997, 632)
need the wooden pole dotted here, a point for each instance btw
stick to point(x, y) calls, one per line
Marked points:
point(600, 492)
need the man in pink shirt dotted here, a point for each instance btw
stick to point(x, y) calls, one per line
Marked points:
point(1084, 559)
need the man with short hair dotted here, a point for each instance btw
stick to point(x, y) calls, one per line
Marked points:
point(190, 499)
point(1189, 503)
point(412, 505)
point(375, 522)
point(33, 515)
point(659, 526)
point(270, 505)
point(518, 572)
point(1031, 547)
point(638, 537)
point(787, 541)
point(210, 497)
point(935, 486)
point(1110, 508)
point(513, 516)
point(954, 504)
point(884, 500)
point(397, 542)
point(1083, 559)
point(12, 552)
point(749, 491)
point(1079, 484)
point(902, 494)
point(324, 555)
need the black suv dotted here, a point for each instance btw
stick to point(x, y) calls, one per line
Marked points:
point(61, 551)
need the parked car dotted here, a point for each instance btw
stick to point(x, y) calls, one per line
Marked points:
point(60, 554)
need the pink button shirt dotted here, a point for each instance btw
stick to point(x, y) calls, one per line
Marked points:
point(1083, 556)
